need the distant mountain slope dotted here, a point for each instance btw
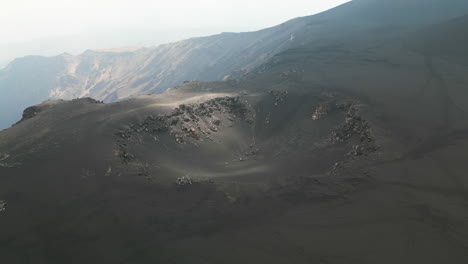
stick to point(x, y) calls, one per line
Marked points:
point(113, 76)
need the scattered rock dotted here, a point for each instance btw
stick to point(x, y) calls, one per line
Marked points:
point(354, 125)
point(3, 206)
point(337, 166)
point(216, 122)
point(267, 118)
point(252, 151)
point(88, 100)
point(189, 121)
point(361, 150)
point(321, 110)
point(355, 129)
point(183, 181)
point(125, 157)
point(109, 172)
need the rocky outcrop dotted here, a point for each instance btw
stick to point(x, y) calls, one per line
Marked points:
point(355, 130)
point(183, 181)
point(188, 122)
point(32, 111)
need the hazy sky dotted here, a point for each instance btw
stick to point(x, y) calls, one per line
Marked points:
point(52, 27)
point(23, 20)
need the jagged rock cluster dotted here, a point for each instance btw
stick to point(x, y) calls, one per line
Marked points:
point(321, 110)
point(183, 181)
point(354, 128)
point(329, 105)
point(194, 121)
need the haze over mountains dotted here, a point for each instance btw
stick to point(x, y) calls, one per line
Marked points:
point(111, 76)
point(79, 43)
point(335, 138)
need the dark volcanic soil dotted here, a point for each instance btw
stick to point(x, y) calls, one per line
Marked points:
point(222, 178)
